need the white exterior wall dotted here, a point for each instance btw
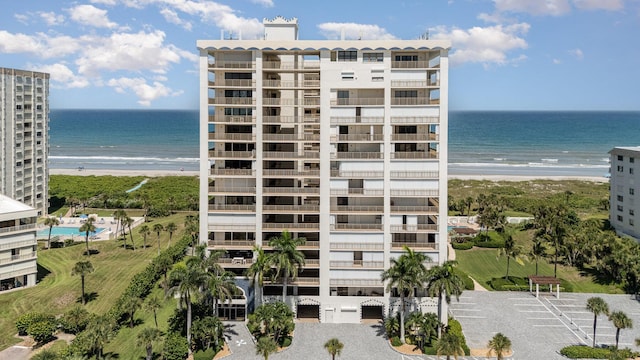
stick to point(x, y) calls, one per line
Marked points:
point(17, 244)
point(624, 210)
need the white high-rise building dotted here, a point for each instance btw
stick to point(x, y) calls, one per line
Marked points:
point(342, 142)
point(24, 137)
point(624, 182)
point(18, 244)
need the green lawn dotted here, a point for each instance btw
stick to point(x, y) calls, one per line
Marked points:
point(483, 265)
point(58, 291)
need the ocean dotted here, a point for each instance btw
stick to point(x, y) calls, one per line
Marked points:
point(565, 143)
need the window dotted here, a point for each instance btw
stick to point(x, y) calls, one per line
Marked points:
point(406, 93)
point(631, 191)
point(620, 208)
point(406, 58)
point(343, 94)
point(18, 107)
point(372, 57)
point(620, 198)
point(348, 75)
point(631, 160)
point(632, 212)
point(631, 222)
point(377, 78)
point(620, 168)
point(619, 218)
point(620, 157)
point(631, 171)
point(347, 55)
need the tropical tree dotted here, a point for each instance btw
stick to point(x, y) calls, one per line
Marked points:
point(118, 215)
point(144, 231)
point(423, 327)
point(538, 251)
point(207, 330)
point(287, 259)
point(127, 221)
point(192, 227)
point(170, 228)
point(405, 273)
point(188, 280)
point(82, 268)
point(100, 331)
point(221, 287)
point(130, 305)
point(334, 347)
point(153, 303)
point(273, 320)
point(88, 228)
point(259, 269)
point(443, 282)
point(620, 321)
point(597, 306)
point(511, 251)
point(449, 344)
point(500, 345)
point(265, 347)
point(51, 221)
point(158, 228)
point(146, 338)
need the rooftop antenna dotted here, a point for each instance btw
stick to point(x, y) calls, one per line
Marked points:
point(425, 35)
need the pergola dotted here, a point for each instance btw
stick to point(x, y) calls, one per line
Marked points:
point(544, 280)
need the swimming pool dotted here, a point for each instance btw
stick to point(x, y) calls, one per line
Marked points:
point(65, 231)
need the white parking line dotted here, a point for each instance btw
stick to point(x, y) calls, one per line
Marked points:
point(477, 310)
point(471, 317)
point(541, 325)
point(542, 318)
point(533, 311)
point(528, 305)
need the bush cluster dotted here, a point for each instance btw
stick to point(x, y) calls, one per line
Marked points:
point(491, 240)
point(585, 352)
point(454, 327)
point(468, 282)
point(395, 341)
point(462, 245)
point(40, 326)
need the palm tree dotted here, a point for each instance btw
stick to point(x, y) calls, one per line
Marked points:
point(597, 306)
point(334, 347)
point(620, 321)
point(499, 344)
point(158, 228)
point(266, 346)
point(287, 259)
point(538, 250)
point(144, 231)
point(191, 226)
point(82, 268)
point(146, 338)
point(221, 286)
point(170, 228)
point(127, 221)
point(449, 344)
point(443, 282)
point(512, 251)
point(87, 228)
point(405, 273)
point(51, 221)
point(99, 332)
point(188, 279)
point(259, 269)
point(118, 215)
point(130, 306)
point(154, 303)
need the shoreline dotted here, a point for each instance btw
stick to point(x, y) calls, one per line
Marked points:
point(160, 173)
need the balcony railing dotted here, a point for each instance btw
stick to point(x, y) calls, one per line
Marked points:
point(357, 191)
point(17, 258)
point(415, 174)
point(414, 192)
point(409, 64)
point(232, 119)
point(357, 208)
point(305, 281)
point(417, 208)
point(415, 119)
point(289, 208)
point(232, 189)
point(290, 190)
point(356, 282)
point(291, 226)
point(233, 83)
point(290, 119)
point(414, 227)
point(414, 155)
point(232, 243)
point(288, 65)
point(239, 172)
point(232, 154)
point(232, 101)
point(414, 83)
point(232, 226)
point(291, 137)
point(358, 155)
point(366, 227)
point(311, 263)
point(335, 120)
point(283, 172)
point(228, 207)
point(358, 137)
point(357, 174)
point(235, 262)
point(291, 84)
point(232, 65)
point(357, 101)
point(9, 229)
point(290, 155)
point(414, 244)
point(291, 102)
point(358, 264)
point(414, 137)
point(232, 136)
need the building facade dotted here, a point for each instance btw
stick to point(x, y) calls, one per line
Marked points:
point(24, 137)
point(341, 142)
point(18, 244)
point(623, 184)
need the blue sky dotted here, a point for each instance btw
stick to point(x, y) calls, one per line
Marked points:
point(506, 55)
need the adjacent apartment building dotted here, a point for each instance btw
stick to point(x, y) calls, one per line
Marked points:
point(17, 244)
point(342, 142)
point(623, 185)
point(24, 139)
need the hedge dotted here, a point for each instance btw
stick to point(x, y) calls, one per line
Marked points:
point(462, 246)
point(490, 240)
point(466, 280)
point(25, 320)
point(585, 352)
point(455, 328)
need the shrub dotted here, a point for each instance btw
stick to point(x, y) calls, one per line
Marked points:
point(468, 282)
point(75, 320)
point(175, 347)
point(462, 246)
point(204, 355)
point(585, 352)
point(395, 341)
point(429, 350)
point(286, 342)
point(45, 354)
point(42, 331)
point(454, 327)
point(489, 240)
point(24, 321)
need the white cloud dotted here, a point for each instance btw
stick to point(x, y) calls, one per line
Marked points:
point(103, 2)
point(91, 16)
point(21, 18)
point(265, 3)
point(51, 18)
point(354, 31)
point(610, 5)
point(534, 7)
point(39, 44)
point(172, 17)
point(60, 73)
point(557, 61)
point(577, 53)
point(486, 45)
point(146, 93)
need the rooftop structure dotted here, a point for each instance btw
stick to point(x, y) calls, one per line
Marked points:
point(623, 184)
point(17, 244)
point(341, 142)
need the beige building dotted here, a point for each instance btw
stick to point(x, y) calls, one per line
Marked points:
point(342, 142)
point(624, 182)
point(24, 137)
point(17, 244)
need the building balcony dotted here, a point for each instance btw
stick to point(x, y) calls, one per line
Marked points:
point(290, 119)
point(300, 281)
point(362, 155)
point(288, 173)
point(415, 174)
point(290, 155)
point(414, 83)
point(414, 245)
point(232, 101)
point(232, 172)
point(358, 102)
point(356, 227)
point(359, 264)
point(413, 227)
point(414, 137)
point(229, 207)
point(409, 101)
point(291, 226)
point(232, 65)
point(357, 174)
point(339, 120)
point(358, 137)
point(291, 137)
point(291, 208)
point(235, 244)
point(233, 83)
point(357, 191)
point(290, 190)
point(232, 154)
point(291, 102)
point(414, 192)
point(357, 208)
point(16, 229)
point(236, 262)
point(414, 209)
point(409, 64)
point(291, 84)
point(356, 282)
point(232, 189)
point(415, 119)
point(414, 155)
point(312, 263)
point(232, 119)
point(289, 65)
point(232, 227)
point(232, 136)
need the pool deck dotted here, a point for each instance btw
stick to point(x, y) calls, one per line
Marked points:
point(108, 223)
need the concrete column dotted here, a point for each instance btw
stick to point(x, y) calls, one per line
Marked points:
point(537, 290)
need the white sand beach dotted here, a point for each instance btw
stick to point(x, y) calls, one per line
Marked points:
point(599, 179)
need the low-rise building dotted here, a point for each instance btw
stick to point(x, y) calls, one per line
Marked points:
point(18, 244)
point(623, 184)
